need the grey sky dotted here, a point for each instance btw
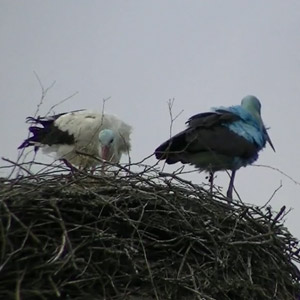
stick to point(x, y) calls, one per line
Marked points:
point(142, 53)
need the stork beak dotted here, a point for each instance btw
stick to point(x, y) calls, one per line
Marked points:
point(269, 140)
point(105, 152)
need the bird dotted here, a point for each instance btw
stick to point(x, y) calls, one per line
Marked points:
point(80, 137)
point(226, 138)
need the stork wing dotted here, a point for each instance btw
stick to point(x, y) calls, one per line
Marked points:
point(210, 119)
point(206, 134)
point(48, 134)
point(83, 125)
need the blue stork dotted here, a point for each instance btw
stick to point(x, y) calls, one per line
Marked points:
point(227, 138)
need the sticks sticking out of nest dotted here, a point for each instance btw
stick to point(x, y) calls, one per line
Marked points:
point(138, 235)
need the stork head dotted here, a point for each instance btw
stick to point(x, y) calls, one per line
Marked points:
point(106, 139)
point(253, 106)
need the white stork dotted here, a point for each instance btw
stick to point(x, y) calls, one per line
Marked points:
point(70, 134)
point(227, 138)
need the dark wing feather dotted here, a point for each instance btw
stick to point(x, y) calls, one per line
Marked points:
point(210, 119)
point(48, 120)
point(48, 134)
point(206, 134)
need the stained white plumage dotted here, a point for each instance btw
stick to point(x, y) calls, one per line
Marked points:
point(97, 135)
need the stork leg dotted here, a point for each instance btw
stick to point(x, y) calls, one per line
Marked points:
point(211, 181)
point(93, 170)
point(230, 188)
point(103, 169)
point(72, 168)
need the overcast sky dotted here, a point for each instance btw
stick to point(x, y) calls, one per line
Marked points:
point(141, 54)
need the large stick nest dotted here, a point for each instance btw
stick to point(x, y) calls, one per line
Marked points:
point(138, 236)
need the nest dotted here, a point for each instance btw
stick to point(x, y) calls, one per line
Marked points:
point(138, 235)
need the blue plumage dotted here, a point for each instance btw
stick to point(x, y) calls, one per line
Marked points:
point(227, 138)
point(248, 126)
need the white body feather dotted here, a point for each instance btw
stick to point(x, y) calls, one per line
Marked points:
point(85, 127)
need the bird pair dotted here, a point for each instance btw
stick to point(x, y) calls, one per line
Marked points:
point(227, 138)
